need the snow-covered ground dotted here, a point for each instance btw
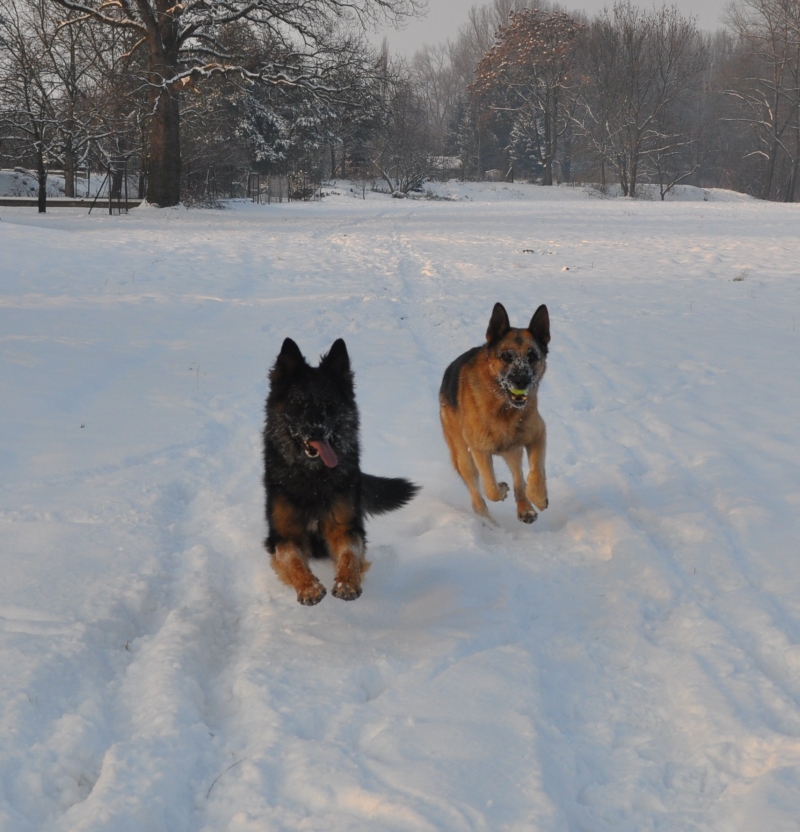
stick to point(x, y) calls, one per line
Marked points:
point(630, 662)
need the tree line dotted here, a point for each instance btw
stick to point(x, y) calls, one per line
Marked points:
point(181, 92)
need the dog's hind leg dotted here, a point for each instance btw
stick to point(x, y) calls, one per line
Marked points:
point(289, 562)
point(463, 461)
point(347, 546)
point(525, 511)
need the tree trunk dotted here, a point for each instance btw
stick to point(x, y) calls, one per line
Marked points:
point(633, 169)
point(164, 163)
point(115, 183)
point(795, 167)
point(549, 145)
point(41, 175)
point(69, 171)
point(790, 191)
point(770, 171)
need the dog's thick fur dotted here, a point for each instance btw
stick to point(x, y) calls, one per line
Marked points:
point(316, 494)
point(488, 405)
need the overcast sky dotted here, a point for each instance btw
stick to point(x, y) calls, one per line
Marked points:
point(445, 16)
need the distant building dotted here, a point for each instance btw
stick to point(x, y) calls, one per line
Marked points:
point(446, 167)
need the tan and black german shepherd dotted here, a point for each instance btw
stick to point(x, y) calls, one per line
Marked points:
point(489, 407)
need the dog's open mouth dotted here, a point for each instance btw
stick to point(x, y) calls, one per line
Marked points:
point(518, 397)
point(322, 450)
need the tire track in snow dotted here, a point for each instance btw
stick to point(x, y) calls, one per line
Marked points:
point(72, 714)
point(177, 693)
point(133, 739)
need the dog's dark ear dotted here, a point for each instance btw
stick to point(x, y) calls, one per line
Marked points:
point(539, 326)
point(337, 360)
point(498, 323)
point(289, 360)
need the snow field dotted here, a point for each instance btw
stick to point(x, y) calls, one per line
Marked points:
point(629, 662)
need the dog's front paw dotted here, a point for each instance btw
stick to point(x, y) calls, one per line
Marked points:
point(346, 591)
point(527, 515)
point(538, 496)
point(311, 595)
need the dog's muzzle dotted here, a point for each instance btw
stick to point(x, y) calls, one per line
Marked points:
point(518, 396)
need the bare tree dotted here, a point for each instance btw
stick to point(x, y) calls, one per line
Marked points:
point(437, 88)
point(27, 93)
point(672, 153)
point(639, 67)
point(64, 102)
point(183, 43)
point(767, 88)
point(601, 98)
point(45, 108)
point(403, 155)
point(473, 41)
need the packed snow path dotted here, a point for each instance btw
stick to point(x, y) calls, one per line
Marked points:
point(630, 662)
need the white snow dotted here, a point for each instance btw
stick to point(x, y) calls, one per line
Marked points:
point(630, 662)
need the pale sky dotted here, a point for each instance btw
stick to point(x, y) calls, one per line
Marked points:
point(445, 16)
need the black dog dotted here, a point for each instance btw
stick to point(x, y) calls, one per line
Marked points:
point(316, 494)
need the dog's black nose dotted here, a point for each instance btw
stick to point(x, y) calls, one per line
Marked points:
point(316, 433)
point(520, 380)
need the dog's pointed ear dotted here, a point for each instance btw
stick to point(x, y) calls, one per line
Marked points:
point(498, 323)
point(337, 360)
point(290, 353)
point(539, 326)
point(289, 360)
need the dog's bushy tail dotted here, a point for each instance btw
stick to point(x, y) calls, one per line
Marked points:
point(382, 494)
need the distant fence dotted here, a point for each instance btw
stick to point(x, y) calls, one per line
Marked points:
point(268, 188)
point(214, 182)
point(59, 202)
point(88, 182)
point(114, 188)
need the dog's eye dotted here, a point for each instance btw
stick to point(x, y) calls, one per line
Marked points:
point(507, 357)
point(532, 357)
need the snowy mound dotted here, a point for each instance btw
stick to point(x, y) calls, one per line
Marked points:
point(456, 190)
point(21, 183)
point(17, 183)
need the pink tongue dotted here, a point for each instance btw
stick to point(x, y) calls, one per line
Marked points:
point(326, 452)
